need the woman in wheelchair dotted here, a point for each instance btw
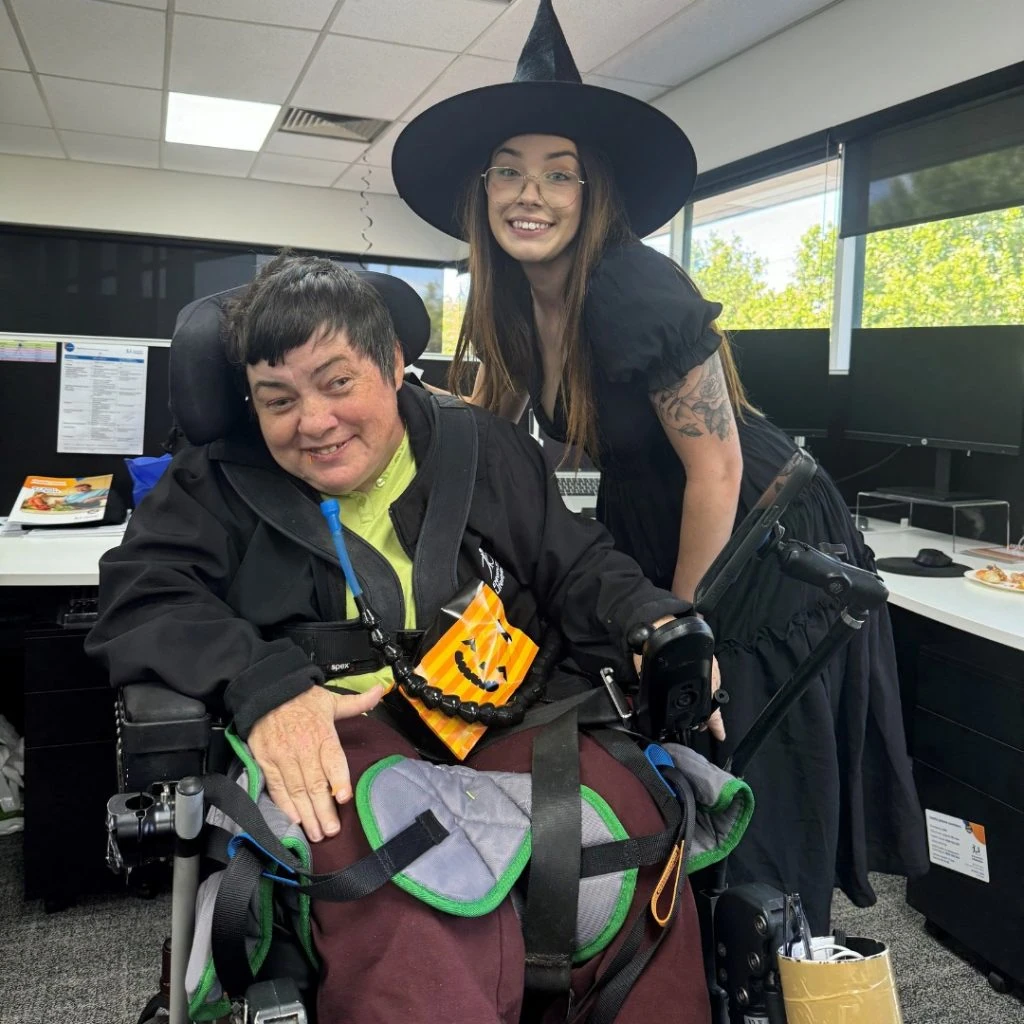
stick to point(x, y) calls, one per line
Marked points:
point(227, 587)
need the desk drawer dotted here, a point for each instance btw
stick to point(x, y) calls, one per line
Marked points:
point(977, 684)
point(987, 917)
point(72, 716)
point(55, 660)
point(66, 793)
point(982, 763)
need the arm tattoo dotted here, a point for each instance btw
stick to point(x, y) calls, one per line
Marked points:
point(699, 404)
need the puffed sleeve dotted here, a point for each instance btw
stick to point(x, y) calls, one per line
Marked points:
point(642, 317)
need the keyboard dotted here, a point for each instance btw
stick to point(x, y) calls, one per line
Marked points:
point(578, 485)
point(579, 490)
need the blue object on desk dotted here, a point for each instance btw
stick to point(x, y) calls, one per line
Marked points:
point(145, 471)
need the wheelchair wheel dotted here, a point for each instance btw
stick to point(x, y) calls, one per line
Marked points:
point(156, 1011)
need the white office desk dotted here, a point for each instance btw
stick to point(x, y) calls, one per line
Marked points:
point(41, 560)
point(993, 614)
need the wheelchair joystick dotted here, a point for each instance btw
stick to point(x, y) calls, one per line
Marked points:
point(675, 679)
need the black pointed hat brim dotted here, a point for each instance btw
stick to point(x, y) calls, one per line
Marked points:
point(450, 144)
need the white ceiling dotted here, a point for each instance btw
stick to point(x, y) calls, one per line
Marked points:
point(88, 79)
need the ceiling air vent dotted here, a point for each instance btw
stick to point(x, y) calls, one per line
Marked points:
point(332, 126)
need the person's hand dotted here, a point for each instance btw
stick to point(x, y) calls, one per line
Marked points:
point(296, 745)
point(714, 723)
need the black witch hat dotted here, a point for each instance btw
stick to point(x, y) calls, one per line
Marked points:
point(450, 143)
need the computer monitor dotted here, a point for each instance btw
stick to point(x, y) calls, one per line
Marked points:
point(785, 374)
point(950, 388)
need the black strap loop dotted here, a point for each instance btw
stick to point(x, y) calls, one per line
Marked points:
point(230, 922)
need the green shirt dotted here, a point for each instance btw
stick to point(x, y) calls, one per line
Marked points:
point(365, 513)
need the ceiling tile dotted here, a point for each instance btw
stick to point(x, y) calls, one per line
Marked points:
point(338, 150)
point(237, 61)
point(111, 149)
point(153, 5)
point(641, 90)
point(103, 109)
point(379, 154)
point(20, 102)
point(290, 13)
point(96, 41)
point(28, 141)
point(175, 156)
point(356, 177)
point(465, 73)
point(11, 56)
point(296, 169)
point(594, 30)
point(704, 35)
point(367, 78)
point(442, 24)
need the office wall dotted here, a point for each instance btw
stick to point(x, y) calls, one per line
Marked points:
point(852, 59)
point(171, 204)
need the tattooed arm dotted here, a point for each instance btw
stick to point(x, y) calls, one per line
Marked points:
point(698, 420)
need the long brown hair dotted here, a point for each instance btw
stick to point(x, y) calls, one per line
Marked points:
point(499, 293)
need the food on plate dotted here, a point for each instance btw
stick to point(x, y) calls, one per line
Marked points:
point(992, 574)
point(997, 577)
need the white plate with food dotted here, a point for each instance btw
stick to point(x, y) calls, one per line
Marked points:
point(999, 579)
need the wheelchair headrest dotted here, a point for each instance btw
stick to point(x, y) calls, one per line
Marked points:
point(206, 396)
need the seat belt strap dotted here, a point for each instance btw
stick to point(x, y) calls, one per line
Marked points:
point(552, 895)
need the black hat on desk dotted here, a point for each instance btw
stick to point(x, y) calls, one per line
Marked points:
point(927, 562)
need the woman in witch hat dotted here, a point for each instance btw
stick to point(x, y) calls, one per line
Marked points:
point(552, 183)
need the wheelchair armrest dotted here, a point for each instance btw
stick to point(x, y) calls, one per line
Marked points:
point(156, 719)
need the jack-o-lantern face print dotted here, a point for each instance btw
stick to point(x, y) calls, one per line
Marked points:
point(481, 660)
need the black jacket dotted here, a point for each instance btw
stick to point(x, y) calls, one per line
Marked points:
point(204, 579)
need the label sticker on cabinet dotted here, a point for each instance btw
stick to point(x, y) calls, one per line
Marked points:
point(957, 844)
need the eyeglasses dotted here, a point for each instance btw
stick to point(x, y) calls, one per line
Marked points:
point(505, 185)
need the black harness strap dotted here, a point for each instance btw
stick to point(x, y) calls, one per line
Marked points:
point(549, 922)
point(343, 648)
point(435, 564)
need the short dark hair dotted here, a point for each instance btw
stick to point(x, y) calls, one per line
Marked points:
point(293, 297)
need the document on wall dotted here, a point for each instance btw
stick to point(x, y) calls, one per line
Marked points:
point(102, 397)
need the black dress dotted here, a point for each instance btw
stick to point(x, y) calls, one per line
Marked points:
point(835, 796)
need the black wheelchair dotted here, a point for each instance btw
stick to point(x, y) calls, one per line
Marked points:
point(167, 743)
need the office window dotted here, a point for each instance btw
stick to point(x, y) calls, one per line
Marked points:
point(429, 284)
point(959, 271)
point(767, 251)
point(661, 240)
point(456, 293)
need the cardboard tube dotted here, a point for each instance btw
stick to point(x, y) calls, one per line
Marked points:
point(850, 992)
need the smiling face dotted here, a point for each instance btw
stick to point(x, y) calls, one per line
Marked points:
point(529, 228)
point(327, 414)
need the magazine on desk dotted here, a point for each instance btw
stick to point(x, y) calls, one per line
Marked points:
point(61, 501)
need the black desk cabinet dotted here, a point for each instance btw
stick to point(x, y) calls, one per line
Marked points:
point(70, 768)
point(969, 764)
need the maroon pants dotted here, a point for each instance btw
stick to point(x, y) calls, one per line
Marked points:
point(390, 957)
